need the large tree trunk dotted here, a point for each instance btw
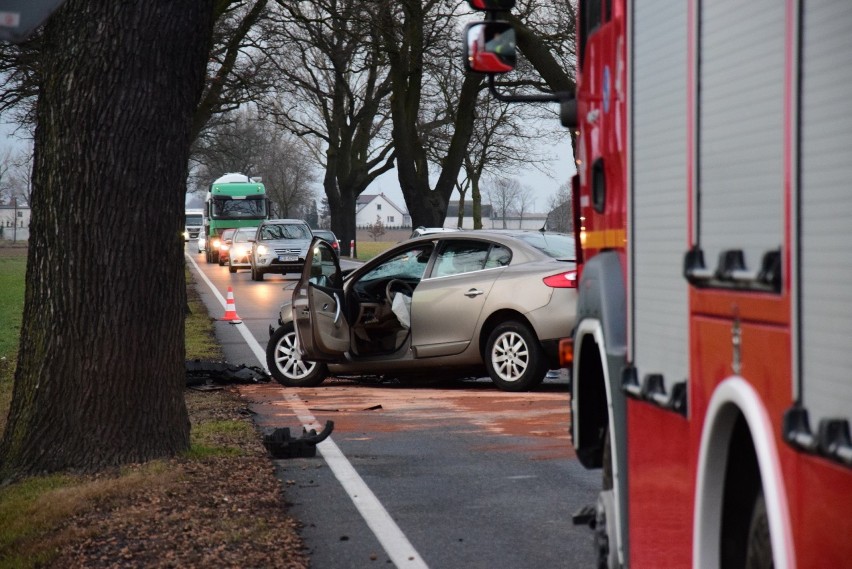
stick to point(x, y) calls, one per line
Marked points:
point(427, 206)
point(100, 373)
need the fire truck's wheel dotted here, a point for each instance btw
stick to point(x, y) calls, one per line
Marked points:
point(285, 363)
point(514, 358)
point(759, 549)
point(606, 463)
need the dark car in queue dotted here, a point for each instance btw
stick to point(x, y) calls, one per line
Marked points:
point(452, 304)
point(329, 237)
point(239, 252)
point(280, 246)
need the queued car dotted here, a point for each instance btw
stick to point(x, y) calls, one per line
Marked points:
point(239, 252)
point(329, 237)
point(280, 246)
point(457, 304)
point(225, 245)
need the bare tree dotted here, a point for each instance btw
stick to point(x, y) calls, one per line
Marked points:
point(100, 375)
point(333, 90)
point(242, 142)
point(524, 199)
point(377, 229)
point(420, 39)
point(503, 194)
point(15, 175)
point(560, 216)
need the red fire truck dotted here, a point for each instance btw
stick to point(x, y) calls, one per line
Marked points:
point(714, 332)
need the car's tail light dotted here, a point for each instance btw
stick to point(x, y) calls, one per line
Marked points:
point(568, 279)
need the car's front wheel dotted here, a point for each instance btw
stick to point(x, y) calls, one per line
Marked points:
point(231, 267)
point(514, 358)
point(286, 364)
point(256, 274)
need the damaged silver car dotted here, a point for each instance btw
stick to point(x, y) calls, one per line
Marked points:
point(448, 305)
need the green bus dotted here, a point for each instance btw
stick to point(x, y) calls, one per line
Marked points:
point(234, 200)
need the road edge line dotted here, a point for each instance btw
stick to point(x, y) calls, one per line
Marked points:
point(387, 532)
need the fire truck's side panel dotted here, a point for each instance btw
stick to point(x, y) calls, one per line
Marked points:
point(659, 200)
point(825, 282)
point(826, 211)
point(741, 120)
point(660, 473)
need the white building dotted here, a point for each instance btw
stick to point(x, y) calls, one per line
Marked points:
point(452, 219)
point(14, 222)
point(368, 207)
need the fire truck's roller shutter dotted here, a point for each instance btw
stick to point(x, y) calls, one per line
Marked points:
point(659, 158)
point(741, 116)
point(826, 210)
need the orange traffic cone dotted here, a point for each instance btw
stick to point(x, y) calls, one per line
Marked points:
point(231, 309)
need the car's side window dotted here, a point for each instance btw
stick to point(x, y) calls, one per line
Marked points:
point(499, 256)
point(457, 257)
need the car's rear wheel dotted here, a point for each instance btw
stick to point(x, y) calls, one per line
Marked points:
point(514, 358)
point(286, 364)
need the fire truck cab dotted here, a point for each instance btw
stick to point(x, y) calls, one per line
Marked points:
point(715, 308)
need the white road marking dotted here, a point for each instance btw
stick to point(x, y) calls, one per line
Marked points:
point(390, 536)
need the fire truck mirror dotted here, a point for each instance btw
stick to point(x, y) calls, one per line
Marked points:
point(489, 47)
point(491, 4)
point(568, 113)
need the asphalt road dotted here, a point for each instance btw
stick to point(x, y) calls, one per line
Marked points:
point(444, 475)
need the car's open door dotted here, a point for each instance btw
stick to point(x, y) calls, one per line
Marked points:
point(318, 310)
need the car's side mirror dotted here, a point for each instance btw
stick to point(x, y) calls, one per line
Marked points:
point(489, 47)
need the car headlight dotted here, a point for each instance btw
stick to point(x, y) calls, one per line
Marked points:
point(262, 250)
point(216, 243)
point(241, 250)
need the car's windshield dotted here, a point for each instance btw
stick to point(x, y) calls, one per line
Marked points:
point(556, 245)
point(245, 234)
point(224, 207)
point(285, 231)
point(409, 264)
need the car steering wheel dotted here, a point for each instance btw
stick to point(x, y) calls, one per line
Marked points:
point(390, 293)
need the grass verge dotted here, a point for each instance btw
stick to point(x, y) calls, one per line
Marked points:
point(368, 249)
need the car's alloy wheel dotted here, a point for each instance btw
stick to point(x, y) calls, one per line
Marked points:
point(286, 364)
point(514, 357)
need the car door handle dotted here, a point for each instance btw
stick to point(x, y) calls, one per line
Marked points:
point(337, 309)
point(474, 292)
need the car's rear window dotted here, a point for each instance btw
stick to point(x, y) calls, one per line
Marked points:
point(556, 245)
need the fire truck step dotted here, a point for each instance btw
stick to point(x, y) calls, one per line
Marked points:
point(585, 516)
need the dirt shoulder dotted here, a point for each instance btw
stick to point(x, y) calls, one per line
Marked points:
point(221, 511)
